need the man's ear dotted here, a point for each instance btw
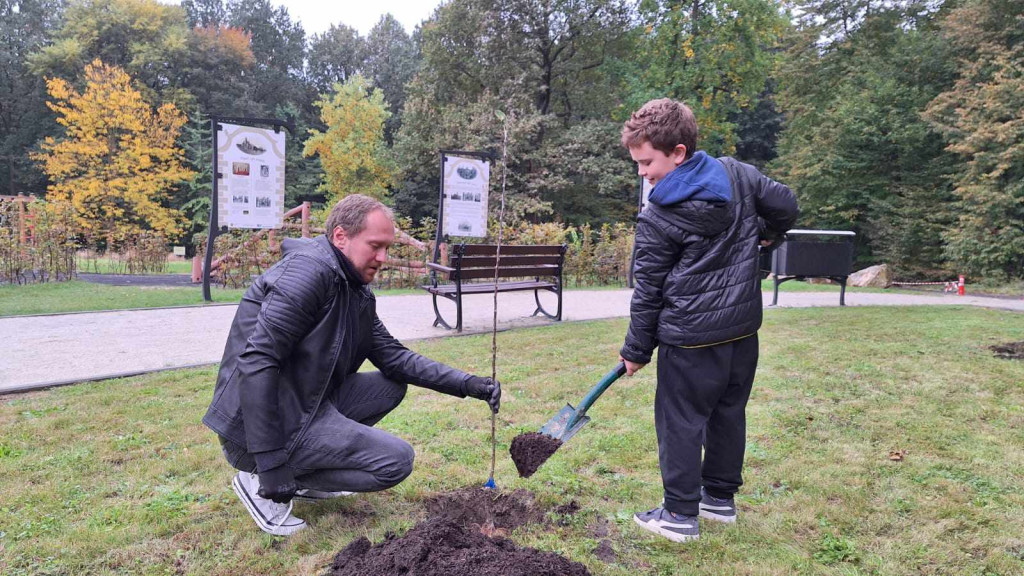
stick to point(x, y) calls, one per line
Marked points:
point(679, 154)
point(338, 238)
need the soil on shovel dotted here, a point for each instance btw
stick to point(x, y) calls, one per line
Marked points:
point(440, 547)
point(531, 450)
point(1010, 350)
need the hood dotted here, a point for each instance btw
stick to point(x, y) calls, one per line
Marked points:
point(699, 178)
point(695, 198)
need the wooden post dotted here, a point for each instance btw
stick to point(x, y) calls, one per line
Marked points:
point(305, 219)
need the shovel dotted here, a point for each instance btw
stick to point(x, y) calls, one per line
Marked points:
point(569, 420)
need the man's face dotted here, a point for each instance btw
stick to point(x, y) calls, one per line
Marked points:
point(653, 164)
point(367, 250)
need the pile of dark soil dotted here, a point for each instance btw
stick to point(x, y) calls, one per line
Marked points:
point(463, 535)
point(488, 511)
point(531, 450)
point(440, 547)
point(1010, 350)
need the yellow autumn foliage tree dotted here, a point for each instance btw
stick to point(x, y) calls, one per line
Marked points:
point(352, 150)
point(117, 162)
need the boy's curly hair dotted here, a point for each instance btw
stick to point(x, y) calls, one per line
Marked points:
point(664, 123)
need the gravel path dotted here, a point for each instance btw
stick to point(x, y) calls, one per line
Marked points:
point(61, 349)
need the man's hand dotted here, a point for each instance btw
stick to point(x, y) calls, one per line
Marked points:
point(278, 484)
point(631, 367)
point(485, 389)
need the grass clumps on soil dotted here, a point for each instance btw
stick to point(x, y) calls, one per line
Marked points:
point(531, 450)
point(462, 535)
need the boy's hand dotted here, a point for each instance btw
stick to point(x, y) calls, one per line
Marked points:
point(631, 367)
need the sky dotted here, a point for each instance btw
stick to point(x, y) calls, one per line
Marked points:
point(317, 15)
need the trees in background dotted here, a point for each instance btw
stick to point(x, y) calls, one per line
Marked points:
point(118, 160)
point(982, 119)
point(351, 149)
point(899, 120)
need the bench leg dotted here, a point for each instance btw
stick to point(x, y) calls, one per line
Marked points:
point(458, 307)
point(540, 308)
point(439, 321)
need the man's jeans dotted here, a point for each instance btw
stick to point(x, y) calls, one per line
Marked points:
point(341, 450)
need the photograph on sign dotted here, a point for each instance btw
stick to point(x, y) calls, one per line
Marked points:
point(466, 181)
point(251, 193)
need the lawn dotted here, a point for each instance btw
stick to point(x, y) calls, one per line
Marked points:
point(120, 477)
point(106, 265)
point(78, 296)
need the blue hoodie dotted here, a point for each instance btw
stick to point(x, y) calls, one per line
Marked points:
point(699, 178)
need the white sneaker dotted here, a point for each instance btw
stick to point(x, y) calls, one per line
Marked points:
point(311, 495)
point(271, 517)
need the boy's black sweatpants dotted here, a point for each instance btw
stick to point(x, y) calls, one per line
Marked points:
point(700, 402)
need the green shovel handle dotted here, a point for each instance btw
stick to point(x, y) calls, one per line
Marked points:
point(595, 393)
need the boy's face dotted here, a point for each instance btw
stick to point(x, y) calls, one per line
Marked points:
point(653, 164)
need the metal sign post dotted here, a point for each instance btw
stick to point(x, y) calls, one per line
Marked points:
point(214, 229)
point(441, 236)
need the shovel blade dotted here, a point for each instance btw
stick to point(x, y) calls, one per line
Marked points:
point(558, 427)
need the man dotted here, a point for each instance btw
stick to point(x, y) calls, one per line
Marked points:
point(292, 413)
point(698, 300)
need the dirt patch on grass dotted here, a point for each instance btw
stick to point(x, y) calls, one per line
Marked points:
point(463, 535)
point(440, 547)
point(1010, 350)
point(605, 552)
point(531, 450)
point(489, 511)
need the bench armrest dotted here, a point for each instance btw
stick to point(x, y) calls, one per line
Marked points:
point(439, 268)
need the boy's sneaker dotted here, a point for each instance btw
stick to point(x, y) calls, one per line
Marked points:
point(675, 527)
point(717, 509)
point(311, 495)
point(271, 517)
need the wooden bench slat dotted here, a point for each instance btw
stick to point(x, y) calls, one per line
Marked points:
point(491, 249)
point(490, 261)
point(488, 287)
point(525, 271)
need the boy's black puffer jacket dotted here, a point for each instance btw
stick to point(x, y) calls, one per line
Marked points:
point(696, 272)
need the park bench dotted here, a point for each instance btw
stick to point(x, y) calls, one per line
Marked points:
point(813, 254)
point(471, 270)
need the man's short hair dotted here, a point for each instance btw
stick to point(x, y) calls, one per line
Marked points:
point(351, 211)
point(665, 123)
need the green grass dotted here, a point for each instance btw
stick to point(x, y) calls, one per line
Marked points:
point(120, 477)
point(79, 296)
point(110, 266)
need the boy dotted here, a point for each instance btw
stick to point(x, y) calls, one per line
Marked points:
point(698, 300)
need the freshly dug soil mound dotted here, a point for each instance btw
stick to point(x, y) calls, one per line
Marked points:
point(1010, 350)
point(440, 547)
point(486, 510)
point(531, 450)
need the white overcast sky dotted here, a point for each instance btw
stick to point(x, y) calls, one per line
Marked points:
point(318, 15)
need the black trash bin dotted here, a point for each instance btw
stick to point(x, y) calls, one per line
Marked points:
point(813, 254)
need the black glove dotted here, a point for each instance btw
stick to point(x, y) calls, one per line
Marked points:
point(278, 484)
point(485, 389)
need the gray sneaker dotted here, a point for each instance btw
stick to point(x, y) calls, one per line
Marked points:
point(675, 527)
point(271, 517)
point(311, 495)
point(717, 509)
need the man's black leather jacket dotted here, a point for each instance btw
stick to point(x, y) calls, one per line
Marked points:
point(284, 345)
